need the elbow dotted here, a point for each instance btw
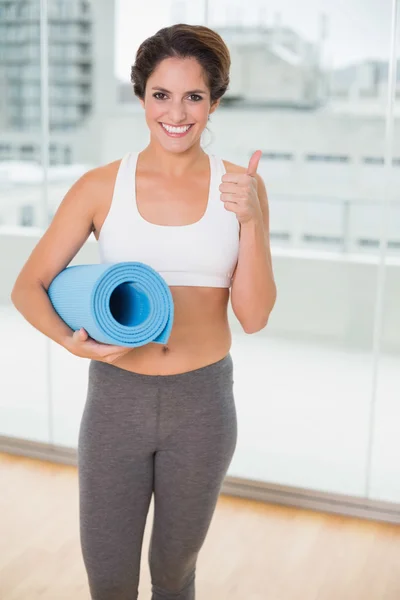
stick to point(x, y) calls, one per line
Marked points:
point(18, 291)
point(15, 295)
point(254, 326)
point(255, 323)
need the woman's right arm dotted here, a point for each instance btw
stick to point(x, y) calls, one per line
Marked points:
point(71, 226)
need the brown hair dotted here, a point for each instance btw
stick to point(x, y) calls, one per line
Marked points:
point(184, 41)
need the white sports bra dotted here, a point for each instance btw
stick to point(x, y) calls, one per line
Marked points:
point(203, 253)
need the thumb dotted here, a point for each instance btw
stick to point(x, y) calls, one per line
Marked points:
point(253, 163)
point(81, 334)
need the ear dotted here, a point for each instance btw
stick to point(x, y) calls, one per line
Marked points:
point(214, 106)
point(141, 102)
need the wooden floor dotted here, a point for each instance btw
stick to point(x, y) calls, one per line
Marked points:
point(253, 551)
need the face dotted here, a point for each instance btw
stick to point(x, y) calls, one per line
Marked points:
point(177, 96)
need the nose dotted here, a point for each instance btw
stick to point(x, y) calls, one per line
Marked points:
point(177, 113)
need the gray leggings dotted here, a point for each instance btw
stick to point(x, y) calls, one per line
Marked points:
point(173, 435)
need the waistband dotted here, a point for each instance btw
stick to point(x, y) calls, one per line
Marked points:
point(199, 373)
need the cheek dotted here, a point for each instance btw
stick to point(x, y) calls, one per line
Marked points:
point(199, 111)
point(153, 112)
point(202, 111)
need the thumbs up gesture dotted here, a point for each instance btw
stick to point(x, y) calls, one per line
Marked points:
point(239, 191)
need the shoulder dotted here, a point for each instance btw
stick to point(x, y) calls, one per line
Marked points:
point(95, 186)
point(93, 190)
point(100, 176)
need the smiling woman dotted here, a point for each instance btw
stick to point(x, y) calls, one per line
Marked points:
point(161, 418)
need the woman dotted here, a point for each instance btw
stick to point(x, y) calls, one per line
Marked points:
point(157, 418)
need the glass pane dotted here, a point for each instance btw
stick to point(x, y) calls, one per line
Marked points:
point(307, 88)
point(24, 386)
point(81, 85)
point(384, 482)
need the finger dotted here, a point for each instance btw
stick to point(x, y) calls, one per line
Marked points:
point(111, 350)
point(230, 188)
point(235, 178)
point(104, 349)
point(98, 348)
point(113, 356)
point(233, 198)
point(231, 206)
point(77, 335)
point(253, 163)
point(113, 347)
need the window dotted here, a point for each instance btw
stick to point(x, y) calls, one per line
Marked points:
point(27, 148)
point(67, 155)
point(277, 156)
point(27, 215)
point(373, 160)
point(280, 235)
point(332, 158)
point(324, 239)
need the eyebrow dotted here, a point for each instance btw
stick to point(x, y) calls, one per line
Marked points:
point(189, 92)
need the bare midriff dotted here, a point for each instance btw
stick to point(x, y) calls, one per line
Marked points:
point(200, 335)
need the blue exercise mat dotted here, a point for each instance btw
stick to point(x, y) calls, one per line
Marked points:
point(126, 304)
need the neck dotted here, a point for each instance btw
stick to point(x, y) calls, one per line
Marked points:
point(173, 164)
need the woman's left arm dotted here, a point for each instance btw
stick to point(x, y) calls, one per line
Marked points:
point(253, 292)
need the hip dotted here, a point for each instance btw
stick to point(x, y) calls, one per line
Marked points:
point(190, 410)
point(110, 387)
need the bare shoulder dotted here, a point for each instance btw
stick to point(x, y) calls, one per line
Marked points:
point(101, 178)
point(95, 188)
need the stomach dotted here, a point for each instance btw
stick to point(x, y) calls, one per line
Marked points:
point(200, 335)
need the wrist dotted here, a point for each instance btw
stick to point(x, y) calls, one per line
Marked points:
point(253, 222)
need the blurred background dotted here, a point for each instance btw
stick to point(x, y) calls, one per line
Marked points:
point(315, 86)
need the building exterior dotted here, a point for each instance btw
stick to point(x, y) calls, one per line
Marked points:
point(82, 90)
point(273, 66)
point(70, 63)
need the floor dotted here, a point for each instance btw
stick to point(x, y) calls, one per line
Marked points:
point(253, 551)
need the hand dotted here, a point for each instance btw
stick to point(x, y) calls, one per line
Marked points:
point(80, 344)
point(239, 192)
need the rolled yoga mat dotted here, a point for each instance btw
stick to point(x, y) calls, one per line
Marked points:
point(126, 303)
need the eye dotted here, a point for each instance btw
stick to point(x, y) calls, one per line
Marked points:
point(157, 94)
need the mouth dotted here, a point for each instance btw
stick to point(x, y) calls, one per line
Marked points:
point(176, 132)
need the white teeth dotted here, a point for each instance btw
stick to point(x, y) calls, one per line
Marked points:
point(175, 129)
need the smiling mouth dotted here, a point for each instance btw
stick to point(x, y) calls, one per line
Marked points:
point(176, 131)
